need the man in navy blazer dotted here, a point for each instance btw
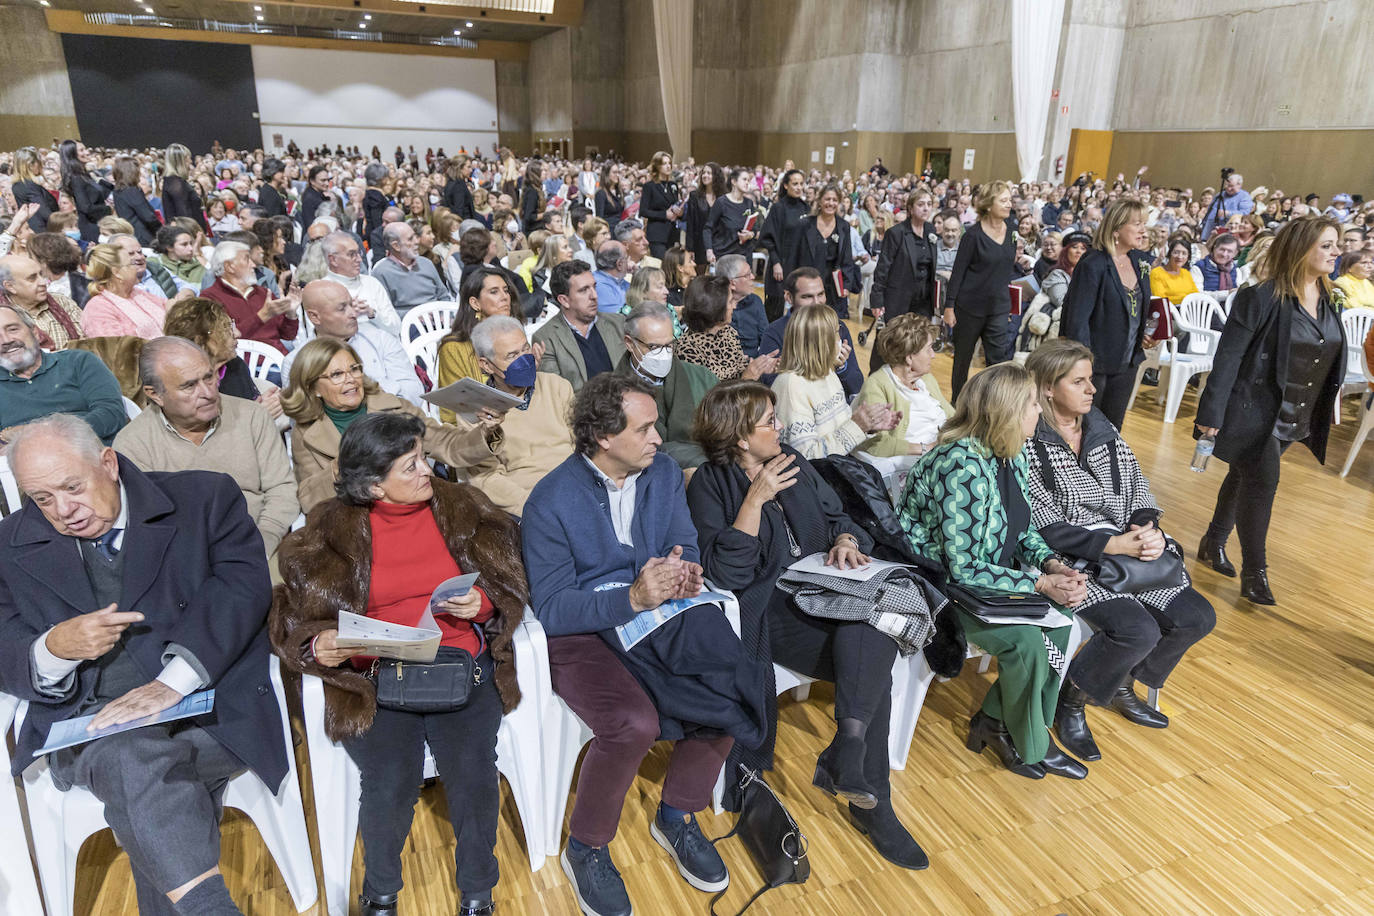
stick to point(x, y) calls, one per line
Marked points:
point(120, 593)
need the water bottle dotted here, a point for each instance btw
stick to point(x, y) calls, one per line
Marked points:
point(1203, 453)
point(1151, 326)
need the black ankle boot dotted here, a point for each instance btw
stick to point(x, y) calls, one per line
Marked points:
point(1058, 763)
point(476, 905)
point(888, 836)
point(1136, 710)
point(1213, 553)
point(1071, 722)
point(840, 771)
point(1254, 586)
point(985, 731)
point(377, 905)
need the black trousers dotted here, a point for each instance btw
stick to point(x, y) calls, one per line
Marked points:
point(993, 330)
point(391, 756)
point(1245, 502)
point(1113, 393)
point(1137, 641)
point(857, 659)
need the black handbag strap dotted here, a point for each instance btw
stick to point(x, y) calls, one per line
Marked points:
point(757, 894)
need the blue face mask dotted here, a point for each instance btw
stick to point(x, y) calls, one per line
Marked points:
point(520, 372)
point(72, 234)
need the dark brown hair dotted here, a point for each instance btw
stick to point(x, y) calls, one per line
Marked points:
point(728, 413)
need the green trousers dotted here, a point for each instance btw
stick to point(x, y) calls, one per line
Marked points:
point(1027, 687)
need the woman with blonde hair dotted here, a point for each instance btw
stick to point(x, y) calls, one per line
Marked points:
point(815, 416)
point(1106, 304)
point(824, 243)
point(118, 307)
point(179, 196)
point(649, 284)
point(1275, 381)
point(327, 391)
point(977, 304)
point(595, 232)
point(30, 187)
point(967, 508)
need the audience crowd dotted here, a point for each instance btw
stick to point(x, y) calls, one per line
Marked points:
point(663, 430)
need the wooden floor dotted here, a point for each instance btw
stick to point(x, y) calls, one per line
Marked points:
point(1258, 798)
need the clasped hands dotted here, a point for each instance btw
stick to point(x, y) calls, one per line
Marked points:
point(665, 579)
point(1144, 542)
point(1062, 584)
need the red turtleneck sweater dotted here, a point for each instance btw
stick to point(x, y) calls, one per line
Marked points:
point(409, 560)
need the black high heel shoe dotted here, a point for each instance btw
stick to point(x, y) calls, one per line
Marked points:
point(1135, 710)
point(1071, 722)
point(1061, 764)
point(839, 771)
point(1213, 554)
point(476, 906)
point(1254, 586)
point(888, 836)
point(380, 905)
point(985, 731)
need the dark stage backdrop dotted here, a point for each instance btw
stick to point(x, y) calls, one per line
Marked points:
point(136, 92)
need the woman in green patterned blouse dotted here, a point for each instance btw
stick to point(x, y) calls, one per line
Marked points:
point(965, 507)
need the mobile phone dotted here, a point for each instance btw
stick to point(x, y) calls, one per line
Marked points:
point(1173, 203)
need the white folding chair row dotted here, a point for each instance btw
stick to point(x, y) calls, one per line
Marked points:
point(427, 318)
point(18, 884)
point(1193, 317)
point(1357, 323)
point(131, 410)
point(61, 821)
point(337, 782)
point(261, 358)
point(423, 351)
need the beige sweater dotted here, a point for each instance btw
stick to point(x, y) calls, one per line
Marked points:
point(536, 441)
point(245, 445)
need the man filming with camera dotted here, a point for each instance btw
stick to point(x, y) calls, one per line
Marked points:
point(1233, 199)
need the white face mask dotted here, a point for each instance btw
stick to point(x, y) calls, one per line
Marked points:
point(657, 362)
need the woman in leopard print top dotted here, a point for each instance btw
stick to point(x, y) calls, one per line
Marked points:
point(710, 339)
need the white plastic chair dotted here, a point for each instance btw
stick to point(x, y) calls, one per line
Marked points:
point(423, 351)
point(10, 487)
point(427, 318)
point(131, 410)
point(61, 822)
point(18, 885)
point(1357, 323)
point(337, 782)
point(1193, 316)
point(759, 264)
point(261, 358)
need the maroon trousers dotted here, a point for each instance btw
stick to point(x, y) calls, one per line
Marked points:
point(592, 681)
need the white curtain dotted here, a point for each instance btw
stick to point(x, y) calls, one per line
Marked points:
point(1035, 29)
point(673, 38)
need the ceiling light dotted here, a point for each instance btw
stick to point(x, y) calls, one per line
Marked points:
point(259, 18)
point(362, 25)
point(367, 16)
point(467, 25)
point(257, 9)
point(43, 3)
point(457, 32)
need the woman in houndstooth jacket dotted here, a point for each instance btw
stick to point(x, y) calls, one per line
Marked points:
point(1090, 499)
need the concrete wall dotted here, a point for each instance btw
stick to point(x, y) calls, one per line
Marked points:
point(35, 95)
point(513, 103)
point(550, 87)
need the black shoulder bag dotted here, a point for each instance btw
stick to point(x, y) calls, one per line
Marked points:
point(775, 842)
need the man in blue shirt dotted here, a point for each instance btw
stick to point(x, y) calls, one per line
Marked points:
point(612, 264)
point(1233, 199)
point(804, 286)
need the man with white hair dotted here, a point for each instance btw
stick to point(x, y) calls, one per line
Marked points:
point(345, 260)
point(409, 280)
point(22, 282)
point(188, 426)
point(537, 436)
point(257, 314)
point(1233, 199)
point(334, 313)
point(34, 383)
point(121, 593)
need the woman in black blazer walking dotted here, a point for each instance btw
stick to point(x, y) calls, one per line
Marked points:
point(1276, 380)
point(904, 280)
point(130, 203)
point(88, 195)
point(179, 196)
point(610, 203)
point(28, 188)
point(699, 203)
point(781, 230)
point(824, 243)
point(659, 205)
point(532, 198)
point(977, 304)
point(1106, 303)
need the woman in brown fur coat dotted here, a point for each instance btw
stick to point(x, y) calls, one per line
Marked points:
point(390, 536)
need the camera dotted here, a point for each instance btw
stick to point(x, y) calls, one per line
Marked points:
point(1225, 174)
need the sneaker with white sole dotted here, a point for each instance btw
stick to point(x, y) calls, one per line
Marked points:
point(697, 860)
point(597, 884)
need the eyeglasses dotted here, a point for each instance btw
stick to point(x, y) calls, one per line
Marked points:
point(773, 422)
point(339, 376)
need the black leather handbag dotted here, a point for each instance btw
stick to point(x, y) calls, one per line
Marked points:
point(775, 842)
point(991, 605)
point(442, 685)
point(1131, 575)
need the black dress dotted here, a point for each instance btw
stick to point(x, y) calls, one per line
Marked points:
point(179, 198)
point(609, 207)
point(89, 197)
point(131, 205)
point(724, 225)
point(658, 197)
point(31, 192)
point(828, 254)
point(982, 305)
point(781, 229)
point(697, 211)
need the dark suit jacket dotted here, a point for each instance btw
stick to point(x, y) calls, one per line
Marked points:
point(897, 268)
point(657, 198)
point(810, 252)
point(89, 196)
point(195, 569)
point(31, 192)
point(1095, 311)
point(458, 198)
point(563, 357)
point(1245, 389)
point(310, 202)
point(130, 204)
point(271, 200)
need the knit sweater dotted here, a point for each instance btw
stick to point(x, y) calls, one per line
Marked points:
point(409, 560)
point(881, 388)
point(536, 441)
point(815, 416)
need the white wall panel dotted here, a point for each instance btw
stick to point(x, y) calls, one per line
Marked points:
point(365, 98)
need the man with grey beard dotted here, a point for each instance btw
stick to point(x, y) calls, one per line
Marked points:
point(34, 384)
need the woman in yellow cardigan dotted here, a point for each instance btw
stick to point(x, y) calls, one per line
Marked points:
point(485, 292)
point(1171, 277)
point(906, 385)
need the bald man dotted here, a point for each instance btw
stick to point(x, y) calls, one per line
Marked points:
point(122, 592)
point(333, 312)
point(25, 285)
